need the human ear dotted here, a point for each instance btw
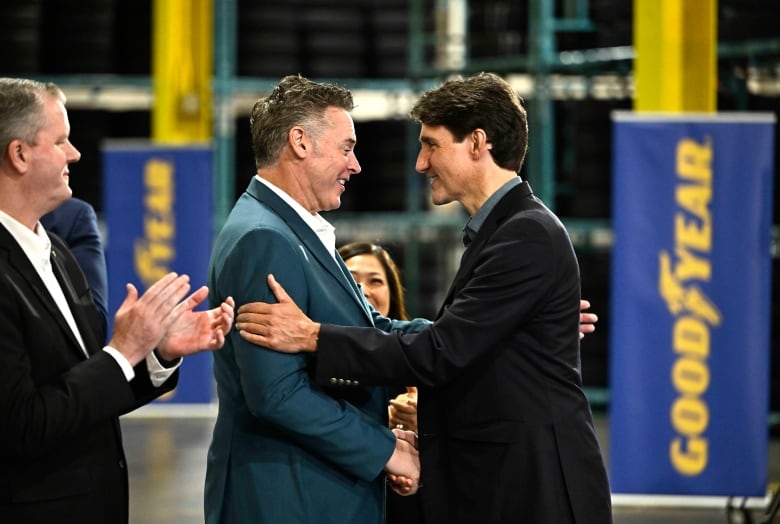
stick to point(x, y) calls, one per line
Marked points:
point(479, 142)
point(18, 154)
point(298, 141)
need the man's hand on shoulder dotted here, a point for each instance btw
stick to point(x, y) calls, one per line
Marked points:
point(282, 326)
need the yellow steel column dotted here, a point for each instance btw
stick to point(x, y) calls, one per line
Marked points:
point(675, 68)
point(182, 47)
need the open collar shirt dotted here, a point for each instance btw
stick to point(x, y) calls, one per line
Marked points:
point(472, 226)
point(321, 227)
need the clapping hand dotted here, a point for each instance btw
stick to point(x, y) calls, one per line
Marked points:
point(142, 321)
point(402, 411)
point(195, 331)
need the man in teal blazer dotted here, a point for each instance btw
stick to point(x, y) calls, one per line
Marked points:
point(284, 449)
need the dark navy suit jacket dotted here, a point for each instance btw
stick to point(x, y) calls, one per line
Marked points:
point(506, 431)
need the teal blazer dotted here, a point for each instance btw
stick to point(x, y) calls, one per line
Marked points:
point(284, 449)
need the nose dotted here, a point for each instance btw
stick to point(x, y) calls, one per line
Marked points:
point(363, 288)
point(353, 165)
point(73, 154)
point(422, 164)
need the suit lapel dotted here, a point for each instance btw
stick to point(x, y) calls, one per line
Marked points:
point(518, 198)
point(334, 266)
point(76, 308)
point(19, 261)
point(354, 286)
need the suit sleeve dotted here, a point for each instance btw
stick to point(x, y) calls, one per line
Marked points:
point(47, 392)
point(278, 388)
point(524, 267)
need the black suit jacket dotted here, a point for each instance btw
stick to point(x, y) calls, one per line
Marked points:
point(75, 222)
point(61, 457)
point(506, 430)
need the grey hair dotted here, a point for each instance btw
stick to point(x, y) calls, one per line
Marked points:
point(21, 108)
point(296, 101)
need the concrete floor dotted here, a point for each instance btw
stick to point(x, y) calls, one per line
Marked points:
point(167, 456)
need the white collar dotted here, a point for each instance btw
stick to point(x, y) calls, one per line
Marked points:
point(35, 244)
point(321, 227)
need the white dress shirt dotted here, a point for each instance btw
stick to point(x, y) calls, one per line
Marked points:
point(37, 246)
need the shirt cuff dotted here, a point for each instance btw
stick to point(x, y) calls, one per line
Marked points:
point(157, 372)
point(127, 369)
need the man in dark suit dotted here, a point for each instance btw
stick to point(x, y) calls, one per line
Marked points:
point(284, 449)
point(61, 389)
point(506, 432)
point(75, 222)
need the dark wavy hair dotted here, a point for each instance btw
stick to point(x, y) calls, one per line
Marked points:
point(397, 300)
point(483, 101)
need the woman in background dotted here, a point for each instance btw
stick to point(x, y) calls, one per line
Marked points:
point(374, 269)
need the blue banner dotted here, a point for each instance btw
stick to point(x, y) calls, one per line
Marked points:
point(157, 204)
point(690, 304)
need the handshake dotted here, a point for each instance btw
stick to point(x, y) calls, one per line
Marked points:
point(403, 468)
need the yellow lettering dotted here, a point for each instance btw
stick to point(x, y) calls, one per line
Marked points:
point(695, 199)
point(158, 174)
point(159, 184)
point(691, 459)
point(679, 298)
point(155, 252)
point(691, 336)
point(690, 376)
point(690, 266)
point(158, 228)
point(694, 160)
point(669, 285)
point(693, 310)
point(690, 415)
point(699, 304)
point(692, 233)
point(147, 262)
point(160, 202)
